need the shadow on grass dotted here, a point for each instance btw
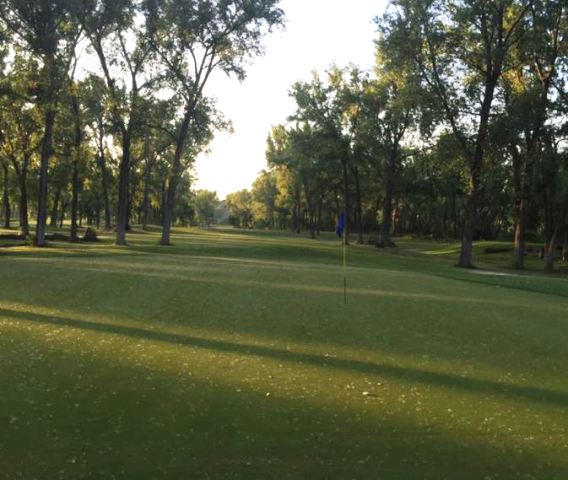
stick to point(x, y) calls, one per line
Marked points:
point(167, 426)
point(445, 380)
point(268, 246)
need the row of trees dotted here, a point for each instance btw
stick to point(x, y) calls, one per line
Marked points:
point(461, 131)
point(103, 106)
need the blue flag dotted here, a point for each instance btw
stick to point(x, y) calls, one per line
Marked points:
point(340, 225)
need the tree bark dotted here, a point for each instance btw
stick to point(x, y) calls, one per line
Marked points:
point(395, 216)
point(520, 233)
point(147, 178)
point(561, 224)
point(385, 240)
point(173, 181)
point(549, 168)
point(521, 210)
point(146, 204)
point(346, 202)
point(62, 214)
point(55, 207)
point(24, 223)
point(311, 213)
point(104, 173)
point(43, 171)
point(106, 199)
point(359, 206)
point(550, 253)
point(123, 187)
point(6, 210)
point(75, 184)
point(466, 253)
point(319, 219)
point(130, 196)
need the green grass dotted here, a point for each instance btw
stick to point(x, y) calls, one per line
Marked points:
point(231, 355)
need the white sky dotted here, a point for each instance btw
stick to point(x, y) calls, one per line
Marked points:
point(317, 34)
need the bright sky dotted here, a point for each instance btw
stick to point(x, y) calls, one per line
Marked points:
point(317, 34)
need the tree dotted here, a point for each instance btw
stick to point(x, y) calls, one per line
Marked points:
point(20, 131)
point(240, 209)
point(121, 45)
point(47, 30)
point(205, 205)
point(193, 40)
point(527, 96)
point(320, 109)
point(460, 50)
point(6, 209)
point(264, 193)
point(97, 122)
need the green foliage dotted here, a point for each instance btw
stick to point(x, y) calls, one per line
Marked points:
point(240, 209)
point(206, 203)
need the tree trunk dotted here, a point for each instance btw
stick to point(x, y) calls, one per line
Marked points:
point(346, 203)
point(466, 254)
point(123, 187)
point(548, 188)
point(561, 225)
point(146, 204)
point(395, 217)
point(385, 240)
point(521, 210)
point(130, 196)
point(311, 213)
point(296, 211)
point(550, 253)
point(359, 206)
point(55, 207)
point(43, 171)
point(62, 214)
point(168, 212)
point(174, 177)
point(521, 228)
point(492, 75)
point(24, 224)
point(75, 184)
point(74, 237)
point(6, 210)
point(104, 173)
point(319, 219)
point(106, 200)
point(565, 247)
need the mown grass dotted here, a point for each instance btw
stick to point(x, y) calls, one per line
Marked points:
point(232, 355)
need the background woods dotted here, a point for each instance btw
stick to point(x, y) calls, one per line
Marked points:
point(459, 132)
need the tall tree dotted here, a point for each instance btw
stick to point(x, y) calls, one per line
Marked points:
point(461, 50)
point(21, 138)
point(47, 30)
point(120, 42)
point(527, 94)
point(321, 108)
point(193, 39)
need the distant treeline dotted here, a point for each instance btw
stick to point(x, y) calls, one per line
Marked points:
point(461, 132)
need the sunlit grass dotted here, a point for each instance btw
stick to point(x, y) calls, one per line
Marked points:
point(232, 355)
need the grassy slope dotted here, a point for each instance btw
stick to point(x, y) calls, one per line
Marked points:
point(231, 355)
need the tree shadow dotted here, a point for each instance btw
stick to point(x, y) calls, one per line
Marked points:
point(535, 395)
point(117, 422)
